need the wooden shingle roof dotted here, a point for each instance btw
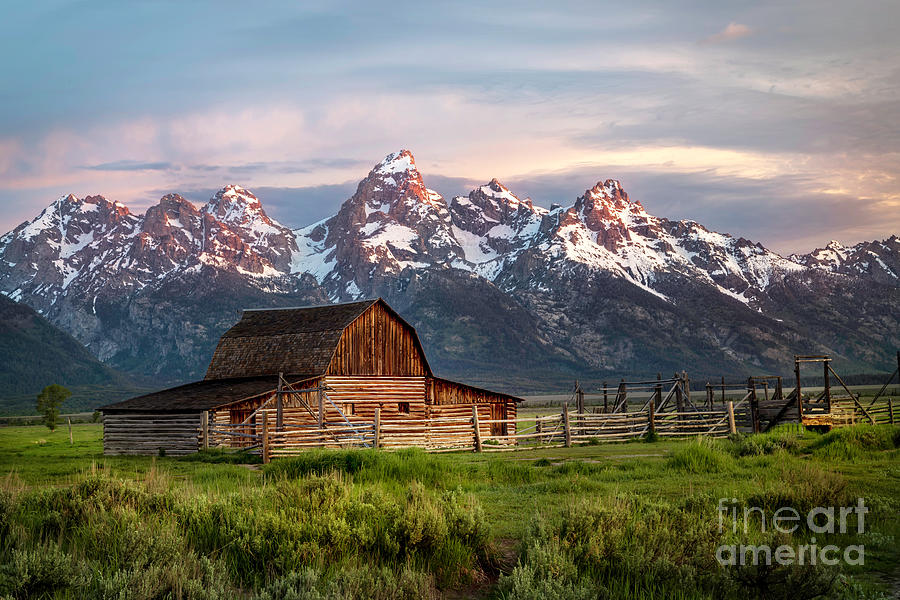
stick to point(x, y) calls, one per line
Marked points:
point(283, 340)
point(202, 395)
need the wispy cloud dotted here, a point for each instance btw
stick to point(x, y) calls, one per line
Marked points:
point(733, 31)
point(129, 165)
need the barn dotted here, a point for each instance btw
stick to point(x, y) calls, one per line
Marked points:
point(340, 369)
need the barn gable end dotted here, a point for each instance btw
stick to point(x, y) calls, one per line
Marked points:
point(379, 343)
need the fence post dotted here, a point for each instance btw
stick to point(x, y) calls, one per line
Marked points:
point(69, 421)
point(827, 384)
point(651, 417)
point(321, 405)
point(891, 410)
point(754, 404)
point(477, 430)
point(709, 395)
point(679, 394)
point(579, 397)
point(729, 406)
point(687, 386)
point(265, 437)
point(377, 427)
point(723, 389)
point(568, 431)
point(279, 404)
point(204, 430)
point(605, 408)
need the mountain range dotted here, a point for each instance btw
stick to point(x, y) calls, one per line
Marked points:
point(502, 291)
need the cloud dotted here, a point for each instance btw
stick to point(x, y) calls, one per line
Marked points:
point(130, 165)
point(733, 31)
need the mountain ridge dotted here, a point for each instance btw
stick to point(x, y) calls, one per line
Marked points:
point(124, 283)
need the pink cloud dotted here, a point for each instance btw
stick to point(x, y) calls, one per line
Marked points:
point(732, 31)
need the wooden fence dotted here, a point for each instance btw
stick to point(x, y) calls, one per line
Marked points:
point(471, 433)
point(448, 434)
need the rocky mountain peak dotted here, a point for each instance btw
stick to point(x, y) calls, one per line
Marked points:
point(607, 206)
point(235, 205)
point(498, 193)
point(397, 166)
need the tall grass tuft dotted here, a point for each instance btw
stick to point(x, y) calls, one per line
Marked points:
point(854, 443)
point(702, 456)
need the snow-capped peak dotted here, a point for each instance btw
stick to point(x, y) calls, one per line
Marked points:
point(233, 204)
point(397, 163)
point(609, 193)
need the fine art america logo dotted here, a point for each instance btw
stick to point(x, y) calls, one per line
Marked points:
point(821, 520)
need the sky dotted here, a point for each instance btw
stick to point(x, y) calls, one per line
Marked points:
point(774, 121)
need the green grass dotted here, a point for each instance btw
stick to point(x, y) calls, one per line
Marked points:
point(610, 520)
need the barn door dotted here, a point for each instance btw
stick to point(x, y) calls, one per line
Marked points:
point(498, 412)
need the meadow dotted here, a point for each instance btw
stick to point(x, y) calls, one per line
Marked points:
point(631, 520)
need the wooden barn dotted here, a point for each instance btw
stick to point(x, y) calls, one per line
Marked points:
point(334, 375)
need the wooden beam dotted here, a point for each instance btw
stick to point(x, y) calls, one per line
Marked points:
point(568, 429)
point(729, 406)
point(476, 427)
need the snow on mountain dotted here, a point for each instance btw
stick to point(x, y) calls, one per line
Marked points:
point(606, 231)
point(391, 224)
point(394, 225)
point(879, 260)
point(493, 226)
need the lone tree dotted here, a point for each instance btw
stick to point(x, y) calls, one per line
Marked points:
point(49, 401)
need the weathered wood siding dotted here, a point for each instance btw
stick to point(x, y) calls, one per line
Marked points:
point(442, 391)
point(128, 433)
point(377, 343)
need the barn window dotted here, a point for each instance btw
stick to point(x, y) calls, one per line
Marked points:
point(403, 407)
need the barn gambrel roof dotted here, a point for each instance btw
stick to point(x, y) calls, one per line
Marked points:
point(289, 340)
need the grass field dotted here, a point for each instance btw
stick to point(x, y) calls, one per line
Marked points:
point(635, 520)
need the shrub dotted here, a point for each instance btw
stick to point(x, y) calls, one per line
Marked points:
point(350, 583)
point(42, 571)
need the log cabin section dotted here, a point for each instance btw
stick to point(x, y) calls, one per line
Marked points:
point(339, 363)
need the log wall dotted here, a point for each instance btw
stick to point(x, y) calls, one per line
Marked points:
point(128, 433)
